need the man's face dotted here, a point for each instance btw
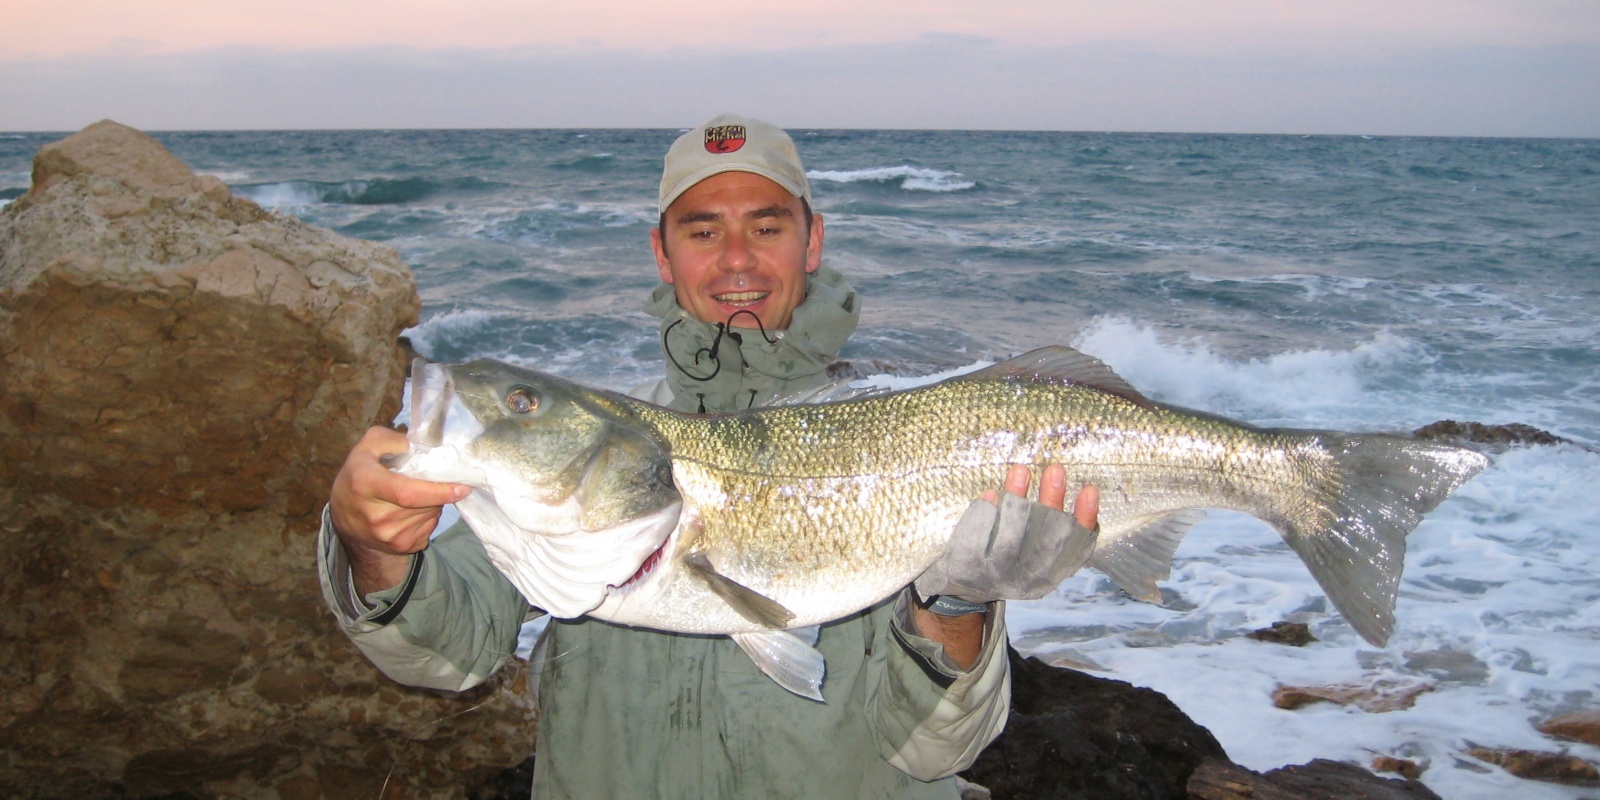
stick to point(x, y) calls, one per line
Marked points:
point(737, 242)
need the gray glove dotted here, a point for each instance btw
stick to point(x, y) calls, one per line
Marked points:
point(1020, 550)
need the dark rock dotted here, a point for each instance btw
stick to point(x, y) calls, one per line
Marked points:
point(1294, 634)
point(1073, 735)
point(1319, 780)
point(1496, 437)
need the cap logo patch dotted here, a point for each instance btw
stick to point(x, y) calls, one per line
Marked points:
point(724, 138)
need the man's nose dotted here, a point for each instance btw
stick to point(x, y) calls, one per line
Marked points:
point(737, 256)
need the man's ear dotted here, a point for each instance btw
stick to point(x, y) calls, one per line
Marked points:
point(814, 244)
point(663, 266)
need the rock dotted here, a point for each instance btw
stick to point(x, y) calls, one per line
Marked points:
point(1580, 726)
point(1375, 698)
point(181, 374)
point(1449, 666)
point(1319, 780)
point(1498, 438)
point(1539, 766)
point(1403, 767)
point(1294, 634)
point(1080, 736)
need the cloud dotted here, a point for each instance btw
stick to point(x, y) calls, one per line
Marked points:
point(934, 81)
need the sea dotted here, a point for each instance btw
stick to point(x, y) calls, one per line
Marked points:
point(1364, 283)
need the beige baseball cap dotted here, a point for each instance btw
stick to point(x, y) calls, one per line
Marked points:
point(732, 143)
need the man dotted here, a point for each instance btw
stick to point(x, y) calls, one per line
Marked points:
point(916, 685)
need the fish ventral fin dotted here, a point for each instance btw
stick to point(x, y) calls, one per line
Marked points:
point(1062, 364)
point(787, 660)
point(749, 603)
point(1136, 561)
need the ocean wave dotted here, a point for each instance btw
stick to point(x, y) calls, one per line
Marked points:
point(373, 192)
point(911, 179)
point(1300, 387)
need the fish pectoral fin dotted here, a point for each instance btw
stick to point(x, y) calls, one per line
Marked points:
point(787, 660)
point(749, 603)
point(1136, 561)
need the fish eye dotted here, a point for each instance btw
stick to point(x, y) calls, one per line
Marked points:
point(522, 400)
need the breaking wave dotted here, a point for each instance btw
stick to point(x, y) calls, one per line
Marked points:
point(911, 179)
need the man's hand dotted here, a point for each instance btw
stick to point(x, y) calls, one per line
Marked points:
point(383, 517)
point(1014, 551)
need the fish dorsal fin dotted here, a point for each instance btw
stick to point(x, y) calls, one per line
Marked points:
point(833, 391)
point(1136, 561)
point(786, 659)
point(751, 604)
point(1062, 364)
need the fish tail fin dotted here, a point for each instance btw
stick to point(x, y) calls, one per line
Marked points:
point(1371, 491)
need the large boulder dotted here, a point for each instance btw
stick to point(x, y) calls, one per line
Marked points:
point(1073, 735)
point(181, 374)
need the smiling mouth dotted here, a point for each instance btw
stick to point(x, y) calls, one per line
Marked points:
point(740, 298)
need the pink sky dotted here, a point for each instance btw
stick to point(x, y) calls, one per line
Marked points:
point(62, 27)
point(1474, 67)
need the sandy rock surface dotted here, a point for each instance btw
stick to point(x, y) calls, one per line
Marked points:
point(181, 374)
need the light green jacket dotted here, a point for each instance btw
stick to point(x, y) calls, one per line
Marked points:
point(635, 713)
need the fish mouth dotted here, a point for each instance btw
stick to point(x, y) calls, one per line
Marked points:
point(431, 392)
point(650, 562)
point(648, 566)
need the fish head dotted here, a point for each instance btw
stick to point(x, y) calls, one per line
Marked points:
point(569, 486)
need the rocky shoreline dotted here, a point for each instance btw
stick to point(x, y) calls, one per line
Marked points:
point(181, 373)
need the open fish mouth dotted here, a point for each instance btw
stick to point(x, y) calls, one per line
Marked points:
point(437, 414)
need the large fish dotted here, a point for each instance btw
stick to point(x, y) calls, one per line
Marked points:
point(756, 523)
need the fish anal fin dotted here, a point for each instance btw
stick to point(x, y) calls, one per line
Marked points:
point(1137, 560)
point(749, 603)
point(787, 660)
point(1065, 365)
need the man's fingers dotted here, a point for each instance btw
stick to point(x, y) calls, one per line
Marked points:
point(411, 492)
point(1017, 480)
point(1053, 487)
point(1086, 509)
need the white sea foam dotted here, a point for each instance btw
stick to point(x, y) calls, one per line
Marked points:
point(285, 194)
point(912, 179)
point(1500, 575)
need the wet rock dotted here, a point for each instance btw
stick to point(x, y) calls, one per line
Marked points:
point(1495, 437)
point(181, 374)
point(1449, 666)
point(1540, 766)
point(1319, 780)
point(1403, 767)
point(1076, 735)
point(1294, 634)
point(1377, 697)
point(1580, 726)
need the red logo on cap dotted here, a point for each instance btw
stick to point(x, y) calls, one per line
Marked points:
point(724, 139)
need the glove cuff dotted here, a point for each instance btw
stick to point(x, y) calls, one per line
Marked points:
point(950, 606)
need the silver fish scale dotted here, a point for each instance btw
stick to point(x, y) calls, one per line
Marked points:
point(867, 492)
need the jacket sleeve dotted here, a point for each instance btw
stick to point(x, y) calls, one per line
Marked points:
point(449, 625)
point(933, 719)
